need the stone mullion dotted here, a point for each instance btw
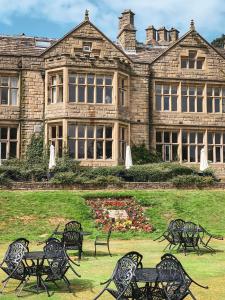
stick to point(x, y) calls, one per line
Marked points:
point(116, 142)
point(180, 145)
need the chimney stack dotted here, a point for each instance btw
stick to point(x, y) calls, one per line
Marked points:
point(162, 34)
point(151, 34)
point(127, 31)
point(174, 34)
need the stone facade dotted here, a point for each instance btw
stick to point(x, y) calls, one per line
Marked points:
point(92, 97)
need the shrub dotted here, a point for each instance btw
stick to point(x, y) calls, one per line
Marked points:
point(15, 173)
point(63, 178)
point(37, 173)
point(192, 180)
point(66, 164)
point(105, 180)
point(92, 173)
point(4, 180)
point(141, 155)
point(35, 150)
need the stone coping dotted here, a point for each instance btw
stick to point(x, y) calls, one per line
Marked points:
point(122, 186)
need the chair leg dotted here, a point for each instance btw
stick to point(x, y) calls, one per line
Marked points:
point(67, 283)
point(109, 250)
point(4, 285)
point(22, 286)
point(45, 287)
point(95, 249)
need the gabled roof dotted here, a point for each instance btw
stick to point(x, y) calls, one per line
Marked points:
point(79, 26)
point(219, 52)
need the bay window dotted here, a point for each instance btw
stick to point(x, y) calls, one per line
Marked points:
point(90, 141)
point(55, 88)
point(90, 88)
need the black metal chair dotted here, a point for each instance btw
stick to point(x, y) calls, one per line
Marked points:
point(136, 257)
point(172, 281)
point(100, 242)
point(14, 266)
point(72, 240)
point(121, 277)
point(58, 263)
point(190, 237)
point(73, 226)
point(24, 242)
point(172, 234)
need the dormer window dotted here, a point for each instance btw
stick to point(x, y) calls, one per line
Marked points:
point(87, 46)
point(192, 61)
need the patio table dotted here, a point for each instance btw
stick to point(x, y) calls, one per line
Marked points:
point(150, 276)
point(37, 257)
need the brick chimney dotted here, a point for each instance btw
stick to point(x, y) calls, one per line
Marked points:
point(150, 34)
point(174, 34)
point(162, 34)
point(127, 31)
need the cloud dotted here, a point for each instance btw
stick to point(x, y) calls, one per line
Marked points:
point(208, 14)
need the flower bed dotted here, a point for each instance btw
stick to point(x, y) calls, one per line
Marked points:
point(135, 219)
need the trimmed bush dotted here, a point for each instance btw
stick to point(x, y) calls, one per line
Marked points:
point(105, 180)
point(63, 178)
point(4, 180)
point(192, 180)
point(92, 173)
point(66, 164)
point(141, 155)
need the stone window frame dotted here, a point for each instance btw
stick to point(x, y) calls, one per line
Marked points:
point(217, 99)
point(57, 86)
point(163, 145)
point(194, 142)
point(215, 144)
point(104, 140)
point(9, 140)
point(190, 60)
point(123, 141)
point(57, 139)
point(192, 97)
point(10, 87)
point(123, 90)
point(95, 85)
point(162, 94)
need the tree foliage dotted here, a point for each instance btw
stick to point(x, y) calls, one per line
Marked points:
point(219, 42)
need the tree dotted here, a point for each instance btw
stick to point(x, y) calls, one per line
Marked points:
point(219, 42)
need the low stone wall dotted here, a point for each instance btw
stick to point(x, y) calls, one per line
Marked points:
point(124, 186)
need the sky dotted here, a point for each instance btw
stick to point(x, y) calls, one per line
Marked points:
point(54, 18)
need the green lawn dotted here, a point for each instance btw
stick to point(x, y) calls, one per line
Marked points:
point(35, 214)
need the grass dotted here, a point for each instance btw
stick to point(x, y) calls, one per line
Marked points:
point(35, 214)
point(207, 269)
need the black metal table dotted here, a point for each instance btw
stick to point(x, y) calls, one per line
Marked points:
point(37, 257)
point(150, 276)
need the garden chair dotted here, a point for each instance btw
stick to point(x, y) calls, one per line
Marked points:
point(190, 237)
point(72, 240)
point(24, 242)
point(185, 274)
point(136, 257)
point(73, 226)
point(121, 278)
point(58, 263)
point(14, 266)
point(172, 282)
point(100, 242)
point(172, 234)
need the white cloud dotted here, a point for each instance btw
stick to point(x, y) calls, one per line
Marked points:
point(208, 14)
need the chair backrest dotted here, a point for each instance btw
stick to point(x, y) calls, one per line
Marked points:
point(136, 257)
point(171, 277)
point(123, 275)
point(13, 259)
point(73, 226)
point(190, 231)
point(23, 241)
point(72, 238)
point(175, 229)
point(57, 258)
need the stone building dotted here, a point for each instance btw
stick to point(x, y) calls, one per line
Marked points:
point(93, 96)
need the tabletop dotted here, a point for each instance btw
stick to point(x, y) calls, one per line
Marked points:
point(81, 232)
point(151, 275)
point(34, 255)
